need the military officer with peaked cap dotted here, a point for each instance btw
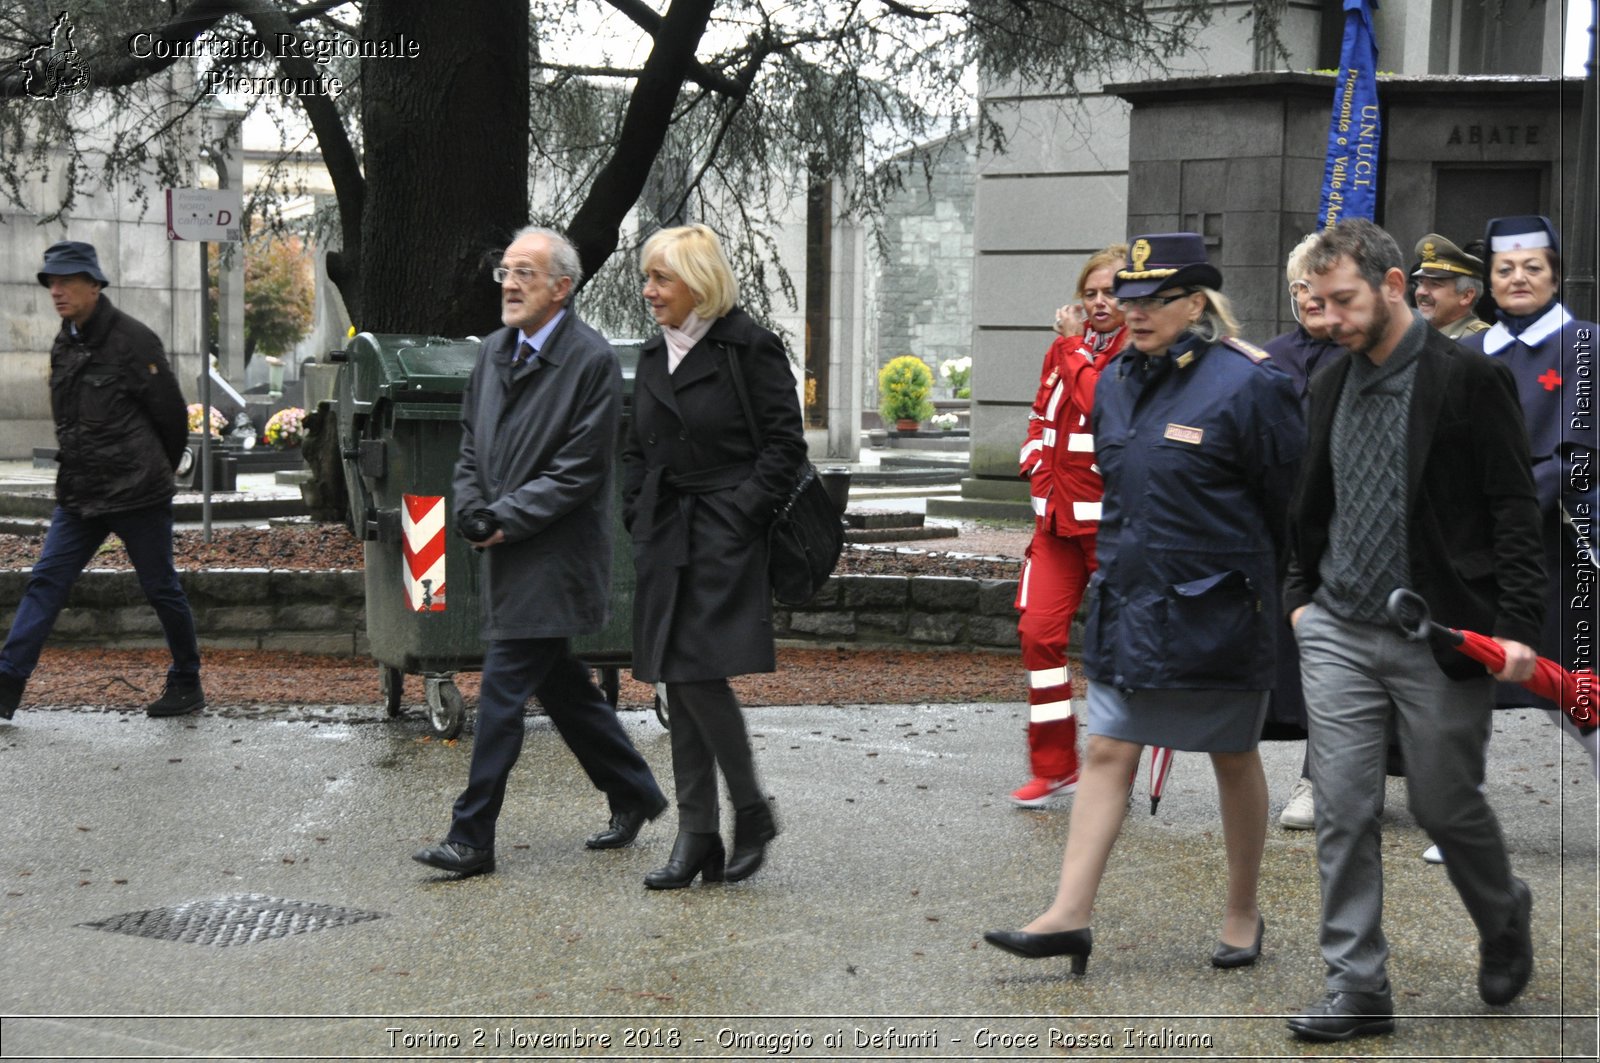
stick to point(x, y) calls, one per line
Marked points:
point(1449, 281)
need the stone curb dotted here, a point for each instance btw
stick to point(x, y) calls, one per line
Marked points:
point(325, 611)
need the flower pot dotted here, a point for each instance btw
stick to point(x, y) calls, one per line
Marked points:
point(906, 424)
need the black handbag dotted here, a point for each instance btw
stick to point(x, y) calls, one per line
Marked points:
point(807, 532)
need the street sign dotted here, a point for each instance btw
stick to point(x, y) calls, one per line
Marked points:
point(204, 214)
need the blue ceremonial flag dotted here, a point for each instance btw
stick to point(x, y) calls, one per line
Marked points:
point(1350, 176)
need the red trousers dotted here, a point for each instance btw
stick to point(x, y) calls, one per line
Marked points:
point(1054, 576)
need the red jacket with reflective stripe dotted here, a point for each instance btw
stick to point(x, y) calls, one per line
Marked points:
point(1058, 456)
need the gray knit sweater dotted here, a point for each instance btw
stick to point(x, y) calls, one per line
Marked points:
point(1367, 554)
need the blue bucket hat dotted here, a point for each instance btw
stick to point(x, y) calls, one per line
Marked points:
point(1165, 260)
point(70, 257)
point(1521, 232)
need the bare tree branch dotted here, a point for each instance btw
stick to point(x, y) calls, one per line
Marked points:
point(647, 19)
point(338, 153)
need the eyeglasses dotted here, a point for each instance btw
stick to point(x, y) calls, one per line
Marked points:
point(1151, 302)
point(523, 274)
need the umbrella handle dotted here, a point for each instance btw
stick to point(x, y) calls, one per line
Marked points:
point(1408, 611)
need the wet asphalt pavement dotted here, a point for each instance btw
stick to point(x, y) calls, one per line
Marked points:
point(859, 940)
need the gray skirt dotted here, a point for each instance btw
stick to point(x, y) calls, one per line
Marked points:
point(1198, 721)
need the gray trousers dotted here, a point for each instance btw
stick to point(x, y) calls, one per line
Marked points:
point(1360, 680)
point(708, 732)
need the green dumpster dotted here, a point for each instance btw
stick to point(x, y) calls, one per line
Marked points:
point(399, 425)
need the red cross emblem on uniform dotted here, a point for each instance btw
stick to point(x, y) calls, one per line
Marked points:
point(1550, 379)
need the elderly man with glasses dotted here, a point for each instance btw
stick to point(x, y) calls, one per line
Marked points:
point(533, 494)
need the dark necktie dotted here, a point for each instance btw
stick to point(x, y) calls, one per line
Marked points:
point(525, 355)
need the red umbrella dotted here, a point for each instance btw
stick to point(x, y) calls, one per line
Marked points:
point(1574, 692)
point(1160, 768)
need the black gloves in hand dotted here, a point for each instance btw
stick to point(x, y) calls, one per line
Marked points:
point(477, 526)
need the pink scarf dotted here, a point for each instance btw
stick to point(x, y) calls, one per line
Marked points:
point(682, 339)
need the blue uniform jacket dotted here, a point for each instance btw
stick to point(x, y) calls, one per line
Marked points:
point(1199, 450)
point(1553, 364)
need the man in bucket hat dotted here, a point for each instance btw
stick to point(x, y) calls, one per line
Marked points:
point(121, 426)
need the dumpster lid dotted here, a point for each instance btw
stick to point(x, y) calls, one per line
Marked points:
point(398, 364)
point(436, 364)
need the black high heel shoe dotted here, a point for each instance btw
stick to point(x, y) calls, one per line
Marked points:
point(1075, 943)
point(1226, 955)
point(753, 828)
point(692, 854)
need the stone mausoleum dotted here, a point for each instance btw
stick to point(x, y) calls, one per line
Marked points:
point(1229, 141)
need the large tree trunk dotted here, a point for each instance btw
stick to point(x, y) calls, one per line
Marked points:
point(446, 160)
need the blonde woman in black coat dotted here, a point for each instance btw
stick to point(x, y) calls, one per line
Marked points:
point(699, 492)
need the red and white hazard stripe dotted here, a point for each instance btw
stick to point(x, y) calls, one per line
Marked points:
point(422, 541)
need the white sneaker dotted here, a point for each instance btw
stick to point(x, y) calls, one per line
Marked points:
point(1432, 855)
point(1300, 812)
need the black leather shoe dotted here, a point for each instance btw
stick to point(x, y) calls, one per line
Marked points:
point(10, 694)
point(1226, 955)
point(1075, 943)
point(1506, 961)
point(182, 696)
point(1344, 1014)
point(625, 827)
point(753, 828)
point(692, 854)
point(464, 860)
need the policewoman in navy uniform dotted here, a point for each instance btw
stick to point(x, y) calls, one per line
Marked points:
point(1198, 437)
point(1551, 354)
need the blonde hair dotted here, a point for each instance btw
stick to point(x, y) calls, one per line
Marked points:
point(694, 255)
point(1114, 257)
point(1295, 268)
point(1216, 318)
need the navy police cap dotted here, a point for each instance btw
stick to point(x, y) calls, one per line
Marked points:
point(1520, 233)
point(1158, 261)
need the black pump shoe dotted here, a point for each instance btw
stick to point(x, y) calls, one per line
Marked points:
point(753, 828)
point(1226, 955)
point(692, 854)
point(1075, 943)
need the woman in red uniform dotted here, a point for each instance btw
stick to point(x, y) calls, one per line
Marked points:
point(1058, 461)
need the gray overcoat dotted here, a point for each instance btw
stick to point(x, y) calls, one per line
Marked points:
point(537, 447)
point(699, 495)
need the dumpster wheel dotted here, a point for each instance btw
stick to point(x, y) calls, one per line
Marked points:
point(447, 710)
point(391, 685)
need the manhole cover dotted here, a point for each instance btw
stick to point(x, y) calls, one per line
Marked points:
point(232, 920)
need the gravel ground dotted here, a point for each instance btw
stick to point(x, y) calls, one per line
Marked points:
point(249, 683)
point(275, 684)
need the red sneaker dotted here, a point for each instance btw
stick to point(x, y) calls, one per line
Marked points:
point(1036, 792)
